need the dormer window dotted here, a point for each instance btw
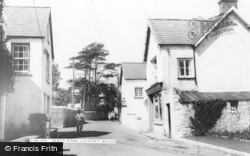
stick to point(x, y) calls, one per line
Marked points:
point(185, 68)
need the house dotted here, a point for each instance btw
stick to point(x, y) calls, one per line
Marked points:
point(191, 60)
point(30, 41)
point(134, 110)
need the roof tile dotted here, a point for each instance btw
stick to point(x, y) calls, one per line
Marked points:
point(23, 21)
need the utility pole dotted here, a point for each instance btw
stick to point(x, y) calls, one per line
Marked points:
point(73, 86)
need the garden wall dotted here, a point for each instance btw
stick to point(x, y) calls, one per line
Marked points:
point(65, 117)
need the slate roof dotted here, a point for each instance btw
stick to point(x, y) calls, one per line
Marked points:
point(177, 31)
point(23, 21)
point(134, 71)
point(190, 96)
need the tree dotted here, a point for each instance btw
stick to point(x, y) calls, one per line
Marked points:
point(92, 61)
point(56, 77)
point(6, 71)
point(62, 97)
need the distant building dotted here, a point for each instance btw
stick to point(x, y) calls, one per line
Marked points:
point(134, 110)
point(30, 41)
point(191, 60)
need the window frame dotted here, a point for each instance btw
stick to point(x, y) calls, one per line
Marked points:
point(234, 106)
point(138, 92)
point(190, 68)
point(13, 58)
point(157, 100)
point(47, 66)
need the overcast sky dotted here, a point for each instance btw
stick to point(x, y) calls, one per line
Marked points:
point(119, 24)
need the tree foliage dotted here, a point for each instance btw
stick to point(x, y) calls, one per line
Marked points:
point(206, 114)
point(62, 97)
point(6, 72)
point(56, 77)
point(91, 60)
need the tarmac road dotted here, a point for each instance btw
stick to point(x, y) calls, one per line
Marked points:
point(128, 143)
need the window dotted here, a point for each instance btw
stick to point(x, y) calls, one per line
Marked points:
point(138, 92)
point(234, 106)
point(20, 57)
point(158, 107)
point(48, 104)
point(47, 67)
point(185, 67)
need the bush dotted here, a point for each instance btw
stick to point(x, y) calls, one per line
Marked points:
point(206, 115)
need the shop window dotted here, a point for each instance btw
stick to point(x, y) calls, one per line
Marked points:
point(158, 107)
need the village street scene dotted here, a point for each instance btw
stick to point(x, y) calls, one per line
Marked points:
point(126, 78)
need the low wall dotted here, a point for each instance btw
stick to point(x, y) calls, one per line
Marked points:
point(135, 124)
point(93, 115)
point(65, 117)
point(62, 117)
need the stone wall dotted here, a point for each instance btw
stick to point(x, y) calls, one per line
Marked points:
point(65, 117)
point(182, 114)
point(62, 117)
point(233, 121)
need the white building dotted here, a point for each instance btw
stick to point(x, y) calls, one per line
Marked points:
point(30, 41)
point(134, 111)
point(190, 60)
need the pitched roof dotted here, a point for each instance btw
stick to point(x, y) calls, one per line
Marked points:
point(26, 21)
point(175, 31)
point(190, 96)
point(134, 71)
point(217, 22)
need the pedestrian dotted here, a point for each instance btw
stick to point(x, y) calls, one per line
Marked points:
point(79, 120)
point(112, 115)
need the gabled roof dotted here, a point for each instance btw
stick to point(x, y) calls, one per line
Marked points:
point(134, 71)
point(26, 21)
point(175, 31)
point(215, 24)
point(191, 96)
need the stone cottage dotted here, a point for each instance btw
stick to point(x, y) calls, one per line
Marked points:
point(191, 60)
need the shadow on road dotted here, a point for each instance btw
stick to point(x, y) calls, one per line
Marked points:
point(69, 155)
point(74, 134)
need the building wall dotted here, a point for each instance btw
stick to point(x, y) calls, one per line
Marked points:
point(234, 121)
point(25, 100)
point(222, 60)
point(27, 97)
point(47, 84)
point(136, 111)
point(229, 121)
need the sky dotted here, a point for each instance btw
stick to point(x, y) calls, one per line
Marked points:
point(119, 24)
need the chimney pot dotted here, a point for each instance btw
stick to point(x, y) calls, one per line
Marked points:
point(225, 5)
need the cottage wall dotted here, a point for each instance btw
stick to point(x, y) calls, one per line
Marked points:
point(135, 115)
point(222, 59)
point(182, 114)
point(233, 121)
point(28, 96)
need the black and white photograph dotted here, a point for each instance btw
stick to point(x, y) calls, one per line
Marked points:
point(125, 77)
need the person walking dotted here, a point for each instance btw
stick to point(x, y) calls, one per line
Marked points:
point(79, 120)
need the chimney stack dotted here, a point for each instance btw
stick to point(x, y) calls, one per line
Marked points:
point(225, 5)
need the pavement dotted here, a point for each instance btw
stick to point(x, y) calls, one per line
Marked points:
point(128, 143)
point(222, 143)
